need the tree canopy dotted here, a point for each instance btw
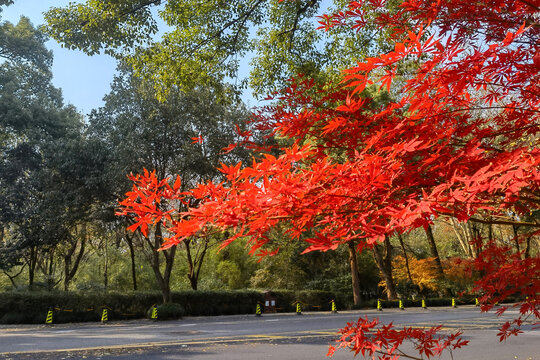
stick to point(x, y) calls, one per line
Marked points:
point(204, 42)
point(46, 167)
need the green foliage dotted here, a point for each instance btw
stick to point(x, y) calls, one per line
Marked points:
point(46, 167)
point(141, 132)
point(24, 44)
point(229, 272)
point(101, 25)
point(203, 42)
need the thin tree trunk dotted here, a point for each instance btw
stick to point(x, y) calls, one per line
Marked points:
point(477, 240)
point(433, 249)
point(129, 240)
point(70, 271)
point(51, 264)
point(32, 263)
point(406, 257)
point(195, 262)
point(354, 273)
point(515, 228)
point(464, 239)
point(527, 252)
point(49, 272)
point(106, 270)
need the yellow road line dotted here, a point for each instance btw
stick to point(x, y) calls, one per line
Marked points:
point(202, 341)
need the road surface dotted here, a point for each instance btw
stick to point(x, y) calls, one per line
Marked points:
point(271, 336)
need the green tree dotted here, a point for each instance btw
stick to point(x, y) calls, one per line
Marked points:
point(204, 42)
point(44, 192)
point(141, 132)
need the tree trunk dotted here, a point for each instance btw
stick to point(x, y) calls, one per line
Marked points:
point(477, 240)
point(464, 236)
point(46, 265)
point(515, 228)
point(32, 263)
point(70, 271)
point(169, 262)
point(129, 240)
point(106, 270)
point(354, 273)
point(384, 263)
point(195, 261)
point(406, 257)
point(527, 252)
point(163, 279)
point(434, 251)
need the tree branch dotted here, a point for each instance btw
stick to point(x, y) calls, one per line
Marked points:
point(528, 3)
point(504, 222)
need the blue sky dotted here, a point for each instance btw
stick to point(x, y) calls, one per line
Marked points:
point(84, 80)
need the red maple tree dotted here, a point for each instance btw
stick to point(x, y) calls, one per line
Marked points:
point(460, 138)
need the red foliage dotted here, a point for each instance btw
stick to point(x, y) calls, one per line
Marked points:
point(383, 342)
point(460, 137)
point(507, 274)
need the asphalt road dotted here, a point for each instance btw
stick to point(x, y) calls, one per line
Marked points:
point(271, 336)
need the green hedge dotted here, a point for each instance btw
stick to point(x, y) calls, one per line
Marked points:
point(32, 307)
point(430, 302)
point(198, 303)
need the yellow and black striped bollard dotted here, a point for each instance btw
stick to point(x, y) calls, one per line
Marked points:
point(298, 308)
point(476, 302)
point(379, 305)
point(424, 304)
point(49, 319)
point(154, 313)
point(334, 309)
point(104, 316)
point(454, 303)
point(401, 305)
point(258, 311)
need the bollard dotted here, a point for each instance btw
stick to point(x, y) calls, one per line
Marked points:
point(334, 309)
point(49, 319)
point(476, 303)
point(104, 316)
point(424, 304)
point(379, 306)
point(258, 310)
point(454, 303)
point(401, 305)
point(298, 309)
point(154, 313)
